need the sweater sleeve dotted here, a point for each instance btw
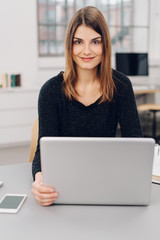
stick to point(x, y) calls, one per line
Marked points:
point(127, 111)
point(48, 119)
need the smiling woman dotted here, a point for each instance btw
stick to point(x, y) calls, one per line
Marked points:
point(88, 29)
point(87, 54)
point(87, 49)
point(89, 99)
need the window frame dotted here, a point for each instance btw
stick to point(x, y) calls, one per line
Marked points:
point(46, 60)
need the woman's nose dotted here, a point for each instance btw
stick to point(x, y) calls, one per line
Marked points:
point(86, 49)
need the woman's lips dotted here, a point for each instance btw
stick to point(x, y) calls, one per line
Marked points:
point(87, 59)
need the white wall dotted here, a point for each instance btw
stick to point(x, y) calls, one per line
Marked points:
point(18, 39)
point(140, 35)
point(154, 40)
point(18, 43)
point(154, 44)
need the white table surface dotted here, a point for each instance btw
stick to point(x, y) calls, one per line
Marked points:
point(74, 222)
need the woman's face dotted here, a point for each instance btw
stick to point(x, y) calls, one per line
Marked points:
point(87, 48)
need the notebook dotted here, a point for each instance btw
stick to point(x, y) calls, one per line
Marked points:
point(98, 171)
point(156, 165)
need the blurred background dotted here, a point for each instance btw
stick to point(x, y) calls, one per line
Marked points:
point(32, 51)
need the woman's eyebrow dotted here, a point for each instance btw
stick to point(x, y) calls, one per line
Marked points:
point(78, 38)
point(96, 38)
point(92, 39)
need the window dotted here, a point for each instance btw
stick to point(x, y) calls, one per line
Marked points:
point(126, 22)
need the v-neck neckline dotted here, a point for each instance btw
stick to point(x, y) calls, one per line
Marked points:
point(86, 107)
point(80, 104)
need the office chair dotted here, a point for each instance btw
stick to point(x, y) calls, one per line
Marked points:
point(153, 108)
point(34, 138)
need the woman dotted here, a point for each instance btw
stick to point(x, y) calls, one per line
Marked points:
point(89, 99)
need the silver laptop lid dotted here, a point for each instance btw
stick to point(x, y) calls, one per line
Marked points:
point(116, 171)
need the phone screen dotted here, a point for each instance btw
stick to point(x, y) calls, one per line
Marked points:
point(11, 202)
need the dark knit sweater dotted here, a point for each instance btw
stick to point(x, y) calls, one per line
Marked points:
point(60, 117)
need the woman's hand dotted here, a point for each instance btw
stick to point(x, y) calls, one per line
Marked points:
point(44, 195)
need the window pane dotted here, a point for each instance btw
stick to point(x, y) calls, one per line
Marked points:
point(126, 40)
point(140, 43)
point(56, 48)
point(41, 1)
point(90, 3)
point(127, 14)
point(105, 9)
point(42, 12)
point(70, 9)
point(61, 13)
point(56, 33)
point(60, 33)
point(56, 12)
point(43, 33)
point(115, 15)
point(55, 1)
point(43, 47)
point(51, 2)
point(51, 13)
point(43, 36)
point(118, 14)
point(52, 47)
point(141, 13)
point(56, 40)
point(52, 33)
point(79, 4)
point(120, 38)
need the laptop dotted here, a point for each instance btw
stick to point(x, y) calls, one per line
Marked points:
point(98, 171)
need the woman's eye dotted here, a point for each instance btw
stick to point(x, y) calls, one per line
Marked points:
point(77, 42)
point(96, 42)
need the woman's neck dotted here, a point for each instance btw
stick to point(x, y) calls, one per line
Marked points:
point(86, 76)
point(87, 86)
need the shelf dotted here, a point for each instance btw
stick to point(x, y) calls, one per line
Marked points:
point(19, 89)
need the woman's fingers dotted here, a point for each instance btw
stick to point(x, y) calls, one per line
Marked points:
point(45, 195)
point(42, 188)
point(44, 199)
point(45, 202)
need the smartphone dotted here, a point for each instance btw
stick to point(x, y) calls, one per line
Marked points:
point(11, 203)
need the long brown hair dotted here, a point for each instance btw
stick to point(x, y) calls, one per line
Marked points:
point(91, 17)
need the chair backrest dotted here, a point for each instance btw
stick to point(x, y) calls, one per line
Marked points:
point(34, 138)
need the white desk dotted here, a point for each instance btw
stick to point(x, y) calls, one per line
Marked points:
point(74, 222)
